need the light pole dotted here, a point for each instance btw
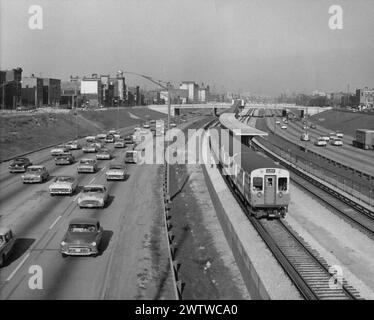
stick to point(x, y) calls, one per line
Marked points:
point(165, 87)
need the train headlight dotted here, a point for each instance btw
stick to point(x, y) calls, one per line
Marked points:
point(280, 194)
point(259, 194)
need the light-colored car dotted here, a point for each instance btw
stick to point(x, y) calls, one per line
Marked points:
point(120, 143)
point(6, 244)
point(109, 138)
point(73, 145)
point(90, 139)
point(339, 135)
point(116, 136)
point(277, 122)
point(58, 150)
point(83, 238)
point(146, 126)
point(63, 185)
point(284, 126)
point(128, 140)
point(35, 174)
point(332, 135)
point(131, 156)
point(64, 158)
point(336, 142)
point(113, 132)
point(93, 196)
point(172, 125)
point(104, 154)
point(326, 138)
point(101, 136)
point(320, 142)
point(87, 165)
point(116, 171)
point(89, 148)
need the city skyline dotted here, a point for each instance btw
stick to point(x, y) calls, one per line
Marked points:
point(264, 47)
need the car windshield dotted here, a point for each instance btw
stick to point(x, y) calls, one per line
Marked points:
point(82, 228)
point(64, 179)
point(34, 169)
point(20, 160)
point(116, 166)
point(86, 161)
point(93, 189)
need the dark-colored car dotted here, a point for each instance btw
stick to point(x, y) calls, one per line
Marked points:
point(83, 238)
point(6, 244)
point(19, 164)
point(66, 158)
point(129, 139)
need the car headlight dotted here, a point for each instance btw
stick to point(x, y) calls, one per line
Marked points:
point(93, 244)
point(63, 243)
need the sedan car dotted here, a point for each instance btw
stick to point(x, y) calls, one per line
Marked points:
point(336, 142)
point(35, 174)
point(101, 136)
point(19, 165)
point(73, 145)
point(104, 154)
point(83, 238)
point(284, 126)
point(109, 138)
point(63, 185)
point(116, 171)
point(90, 139)
point(339, 134)
point(58, 150)
point(64, 158)
point(120, 143)
point(93, 196)
point(320, 142)
point(87, 165)
point(89, 148)
point(131, 156)
point(6, 244)
point(129, 140)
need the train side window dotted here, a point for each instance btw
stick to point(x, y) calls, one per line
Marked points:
point(282, 184)
point(269, 182)
point(257, 184)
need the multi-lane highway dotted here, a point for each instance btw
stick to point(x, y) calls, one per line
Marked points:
point(123, 270)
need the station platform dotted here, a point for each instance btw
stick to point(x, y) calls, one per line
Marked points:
point(229, 121)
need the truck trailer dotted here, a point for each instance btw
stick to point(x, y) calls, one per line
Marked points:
point(364, 139)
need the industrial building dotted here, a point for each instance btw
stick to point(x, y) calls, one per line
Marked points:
point(10, 88)
point(365, 97)
point(91, 91)
point(51, 92)
point(193, 91)
point(32, 91)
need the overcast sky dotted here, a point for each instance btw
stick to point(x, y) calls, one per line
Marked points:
point(260, 46)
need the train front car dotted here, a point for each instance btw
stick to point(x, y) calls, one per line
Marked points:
point(270, 192)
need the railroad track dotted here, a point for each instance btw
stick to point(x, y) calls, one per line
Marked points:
point(307, 270)
point(311, 275)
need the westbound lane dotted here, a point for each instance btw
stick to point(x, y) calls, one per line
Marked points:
point(125, 269)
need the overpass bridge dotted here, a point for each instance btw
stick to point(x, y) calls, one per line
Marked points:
point(175, 108)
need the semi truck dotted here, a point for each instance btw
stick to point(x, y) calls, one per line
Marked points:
point(364, 139)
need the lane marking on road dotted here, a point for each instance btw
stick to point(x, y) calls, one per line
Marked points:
point(92, 180)
point(53, 224)
point(76, 197)
point(18, 267)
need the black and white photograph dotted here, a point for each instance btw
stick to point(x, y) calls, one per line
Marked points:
point(187, 156)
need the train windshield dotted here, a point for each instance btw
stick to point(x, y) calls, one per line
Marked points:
point(257, 184)
point(282, 184)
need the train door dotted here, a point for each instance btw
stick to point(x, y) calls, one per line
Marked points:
point(270, 189)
